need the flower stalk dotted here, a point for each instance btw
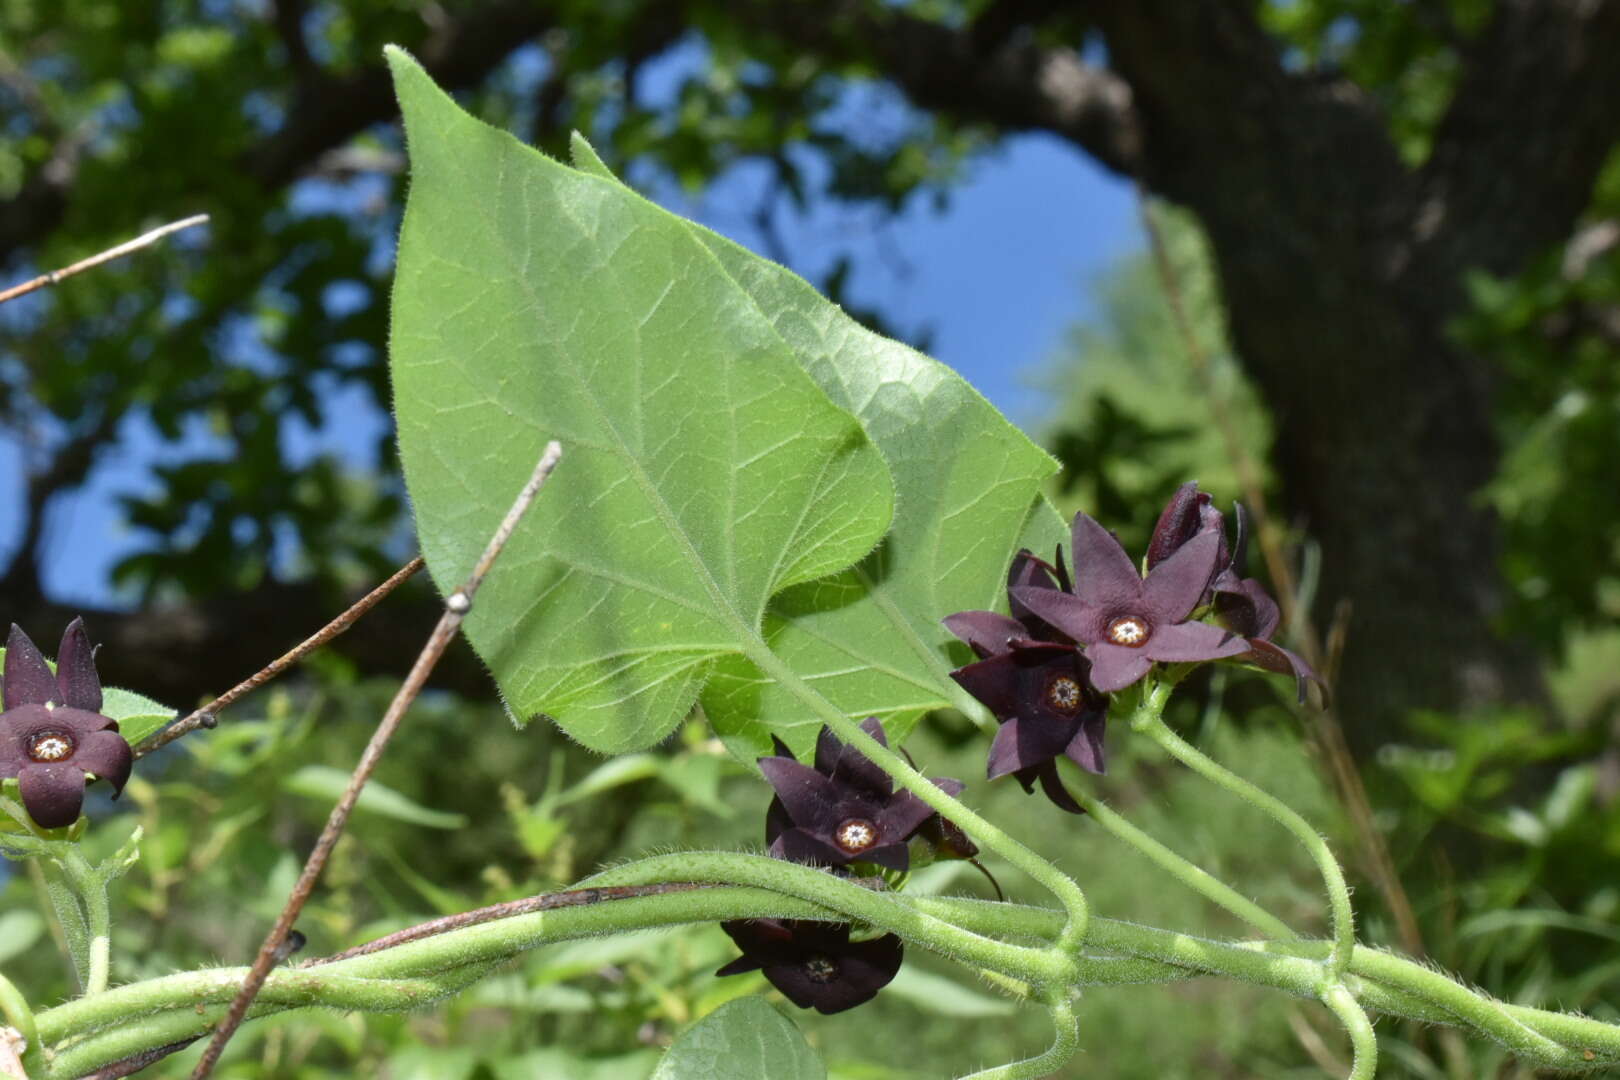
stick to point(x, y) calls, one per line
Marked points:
point(1148, 719)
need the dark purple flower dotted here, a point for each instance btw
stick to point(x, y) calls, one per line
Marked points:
point(1125, 622)
point(52, 733)
point(1251, 612)
point(1241, 603)
point(1042, 694)
point(1191, 513)
point(845, 809)
point(814, 963)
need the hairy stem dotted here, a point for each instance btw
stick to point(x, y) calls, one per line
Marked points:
point(1149, 720)
point(1364, 1044)
point(1188, 873)
point(1065, 1042)
point(886, 911)
point(126, 1020)
point(14, 1008)
point(92, 890)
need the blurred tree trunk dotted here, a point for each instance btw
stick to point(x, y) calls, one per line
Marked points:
point(1341, 268)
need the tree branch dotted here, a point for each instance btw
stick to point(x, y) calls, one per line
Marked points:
point(1535, 116)
point(1000, 77)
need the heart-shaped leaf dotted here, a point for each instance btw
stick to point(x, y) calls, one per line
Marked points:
point(703, 470)
point(969, 484)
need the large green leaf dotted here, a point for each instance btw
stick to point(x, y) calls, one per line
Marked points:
point(742, 1040)
point(703, 471)
point(969, 483)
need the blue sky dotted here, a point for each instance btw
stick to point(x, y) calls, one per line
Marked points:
point(997, 279)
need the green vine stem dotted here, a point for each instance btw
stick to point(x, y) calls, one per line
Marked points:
point(1065, 1043)
point(91, 887)
point(985, 834)
point(1148, 719)
point(1389, 983)
point(14, 1008)
point(1363, 1043)
point(887, 911)
point(95, 1030)
point(1183, 870)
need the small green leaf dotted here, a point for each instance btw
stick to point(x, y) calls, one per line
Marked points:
point(743, 1040)
point(627, 769)
point(703, 471)
point(138, 716)
point(969, 482)
point(327, 784)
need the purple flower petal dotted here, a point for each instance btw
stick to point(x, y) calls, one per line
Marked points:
point(1067, 613)
point(1105, 578)
point(1274, 657)
point(897, 821)
point(843, 764)
point(52, 793)
point(1086, 748)
point(1114, 667)
point(895, 856)
point(1186, 642)
point(985, 631)
point(993, 683)
point(1022, 743)
point(741, 965)
point(1247, 610)
point(797, 845)
point(1176, 585)
point(1178, 523)
point(28, 679)
point(1052, 785)
point(76, 669)
point(108, 756)
point(810, 798)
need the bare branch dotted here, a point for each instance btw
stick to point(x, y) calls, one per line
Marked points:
point(144, 240)
point(1535, 116)
point(456, 607)
point(208, 715)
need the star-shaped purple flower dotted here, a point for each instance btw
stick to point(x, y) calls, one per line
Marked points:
point(52, 733)
point(845, 809)
point(1250, 612)
point(1241, 603)
point(1126, 622)
point(814, 963)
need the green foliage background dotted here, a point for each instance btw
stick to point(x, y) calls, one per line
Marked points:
point(1527, 910)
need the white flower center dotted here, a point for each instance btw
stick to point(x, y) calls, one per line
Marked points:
point(856, 834)
point(821, 969)
point(1130, 631)
point(50, 746)
point(1063, 694)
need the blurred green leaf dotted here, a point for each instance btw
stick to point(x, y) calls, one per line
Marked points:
point(945, 997)
point(743, 1040)
point(326, 784)
point(18, 932)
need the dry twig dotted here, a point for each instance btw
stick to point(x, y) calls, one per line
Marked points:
point(208, 715)
point(456, 607)
point(144, 240)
